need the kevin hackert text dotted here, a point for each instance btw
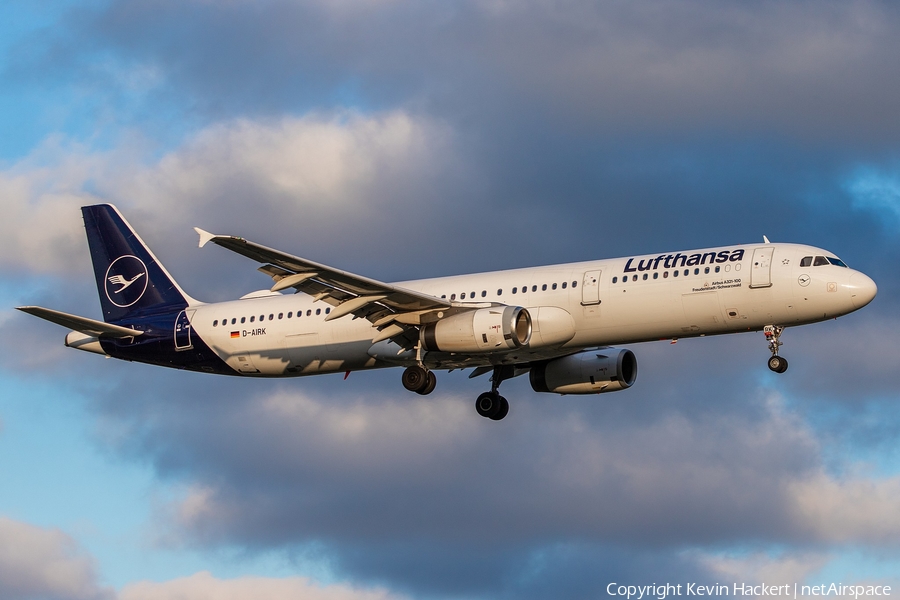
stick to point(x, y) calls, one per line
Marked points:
point(664, 590)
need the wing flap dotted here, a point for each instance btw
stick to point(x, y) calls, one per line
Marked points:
point(82, 324)
point(326, 283)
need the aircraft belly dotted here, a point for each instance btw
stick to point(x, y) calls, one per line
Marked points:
point(308, 356)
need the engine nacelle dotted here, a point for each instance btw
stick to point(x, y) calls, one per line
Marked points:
point(494, 329)
point(588, 372)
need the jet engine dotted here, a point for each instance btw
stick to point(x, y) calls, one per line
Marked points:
point(494, 329)
point(588, 372)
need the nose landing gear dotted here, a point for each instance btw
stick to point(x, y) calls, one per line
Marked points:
point(491, 404)
point(777, 363)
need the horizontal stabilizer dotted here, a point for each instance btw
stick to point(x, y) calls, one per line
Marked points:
point(82, 324)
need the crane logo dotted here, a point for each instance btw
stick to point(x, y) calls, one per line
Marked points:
point(126, 280)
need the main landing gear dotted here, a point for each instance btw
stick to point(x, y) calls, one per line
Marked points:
point(491, 404)
point(779, 364)
point(418, 379)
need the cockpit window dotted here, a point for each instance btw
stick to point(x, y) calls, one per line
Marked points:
point(820, 261)
point(836, 262)
point(806, 261)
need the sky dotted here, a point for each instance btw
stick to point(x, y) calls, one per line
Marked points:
point(400, 140)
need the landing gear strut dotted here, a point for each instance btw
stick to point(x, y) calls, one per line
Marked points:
point(491, 404)
point(418, 379)
point(779, 364)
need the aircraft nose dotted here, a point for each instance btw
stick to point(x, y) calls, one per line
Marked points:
point(862, 289)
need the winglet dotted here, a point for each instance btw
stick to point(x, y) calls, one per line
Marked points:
point(205, 236)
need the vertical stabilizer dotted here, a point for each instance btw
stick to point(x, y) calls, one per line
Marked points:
point(130, 280)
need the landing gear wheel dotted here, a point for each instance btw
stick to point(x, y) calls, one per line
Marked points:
point(415, 378)
point(779, 364)
point(429, 384)
point(502, 410)
point(489, 405)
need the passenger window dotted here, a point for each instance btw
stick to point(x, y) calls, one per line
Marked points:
point(644, 277)
point(674, 273)
point(318, 311)
point(706, 271)
point(290, 314)
point(574, 284)
point(216, 323)
point(820, 261)
point(452, 297)
point(233, 321)
point(243, 319)
point(544, 288)
point(564, 284)
point(553, 286)
point(327, 311)
point(499, 292)
point(634, 277)
point(687, 272)
point(615, 279)
point(514, 290)
point(253, 318)
point(655, 274)
point(271, 317)
point(308, 312)
point(534, 288)
point(280, 316)
point(665, 274)
point(484, 293)
point(806, 261)
point(462, 296)
point(472, 295)
point(717, 269)
point(696, 271)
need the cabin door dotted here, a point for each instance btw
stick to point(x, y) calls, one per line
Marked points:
point(590, 288)
point(761, 270)
point(183, 331)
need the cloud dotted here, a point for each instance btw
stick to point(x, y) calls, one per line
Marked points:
point(47, 564)
point(379, 482)
point(876, 190)
point(203, 585)
point(609, 66)
point(340, 166)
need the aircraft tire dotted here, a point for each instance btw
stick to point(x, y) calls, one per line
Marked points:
point(488, 404)
point(502, 410)
point(415, 378)
point(429, 385)
point(778, 364)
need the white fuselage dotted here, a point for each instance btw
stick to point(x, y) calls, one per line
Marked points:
point(573, 306)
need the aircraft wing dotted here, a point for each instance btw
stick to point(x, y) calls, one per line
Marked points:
point(387, 306)
point(82, 324)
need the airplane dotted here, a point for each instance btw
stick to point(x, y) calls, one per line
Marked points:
point(558, 323)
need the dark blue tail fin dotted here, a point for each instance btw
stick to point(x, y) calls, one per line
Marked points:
point(130, 279)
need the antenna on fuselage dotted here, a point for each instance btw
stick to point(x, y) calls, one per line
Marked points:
point(766, 240)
